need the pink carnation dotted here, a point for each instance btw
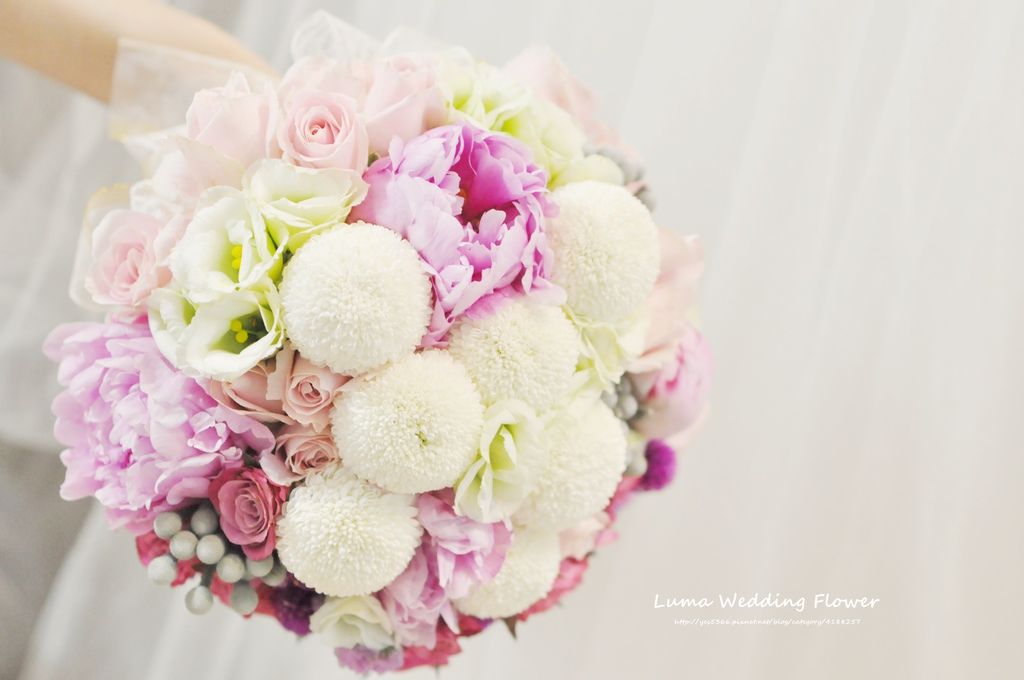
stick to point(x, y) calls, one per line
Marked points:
point(456, 554)
point(142, 437)
point(473, 204)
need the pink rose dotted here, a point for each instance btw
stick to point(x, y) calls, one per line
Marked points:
point(402, 100)
point(674, 396)
point(232, 119)
point(396, 96)
point(540, 69)
point(299, 450)
point(127, 259)
point(306, 391)
point(321, 129)
point(671, 301)
point(248, 395)
point(248, 504)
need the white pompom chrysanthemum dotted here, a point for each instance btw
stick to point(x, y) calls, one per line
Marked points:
point(413, 427)
point(523, 351)
point(342, 536)
point(586, 458)
point(606, 250)
point(355, 298)
point(529, 570)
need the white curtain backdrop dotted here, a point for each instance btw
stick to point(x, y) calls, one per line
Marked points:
point(855, 171)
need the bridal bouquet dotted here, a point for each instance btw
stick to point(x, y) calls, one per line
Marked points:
point(387, 345)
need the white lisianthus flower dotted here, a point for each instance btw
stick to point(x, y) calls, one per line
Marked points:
point(221, 339)
point(605, 349)
point(512, 454)
point(350, 621)
point(225, 248)
point(478, 92)
point(299, 202)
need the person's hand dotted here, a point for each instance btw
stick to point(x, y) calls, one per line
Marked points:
point(75, 42)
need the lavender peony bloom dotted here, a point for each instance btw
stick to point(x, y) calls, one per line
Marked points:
point(141, 436)
point(473, 204)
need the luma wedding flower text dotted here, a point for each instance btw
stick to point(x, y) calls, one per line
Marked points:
point(388, 344)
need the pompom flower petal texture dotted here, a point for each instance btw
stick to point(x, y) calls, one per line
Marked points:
point(586, 458)
point(343, 536)
point(522, 351)
point(412, 427)
point(606, 250)
point(355, 298)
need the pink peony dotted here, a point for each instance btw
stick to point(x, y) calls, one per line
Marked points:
point(674, 396)
point(128, 256)
point(232, 119)
point(473, 205)
point(321, 129)
point(248, 504)
point(306, 391)
point(299, 451)
point(142, 437)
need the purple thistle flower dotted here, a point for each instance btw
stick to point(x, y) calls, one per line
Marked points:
point(293, 604)
point(661, 466)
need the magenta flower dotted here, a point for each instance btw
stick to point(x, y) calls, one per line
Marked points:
point(472, 203)
point(142, 437)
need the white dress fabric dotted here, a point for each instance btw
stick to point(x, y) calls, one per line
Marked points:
point(854, 170)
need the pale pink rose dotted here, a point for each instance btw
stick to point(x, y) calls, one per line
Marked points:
point(321, 129)
point(306, 391)
point(396, 96)
point(403, 100)
point(126, 263)
point(582, 539)
point(232, 119)
point(672, 300)
point(298, 451)
point(248, 394)
point(540, 69)
point(673, 397)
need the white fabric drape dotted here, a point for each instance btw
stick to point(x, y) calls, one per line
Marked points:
point(854, 169)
